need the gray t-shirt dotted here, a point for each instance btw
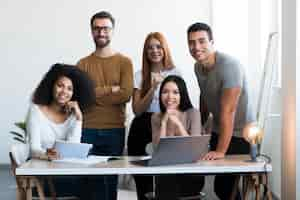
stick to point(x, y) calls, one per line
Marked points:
point(227, 73)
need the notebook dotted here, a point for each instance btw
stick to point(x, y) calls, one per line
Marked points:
point(72, 150)
point(178, 150)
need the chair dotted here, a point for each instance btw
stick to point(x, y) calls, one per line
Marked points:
point(254, 182)
point(18, 155)
point(207, 128)
point(152, 195)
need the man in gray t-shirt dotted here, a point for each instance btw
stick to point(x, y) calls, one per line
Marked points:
point(227, 73)
point(224, 93)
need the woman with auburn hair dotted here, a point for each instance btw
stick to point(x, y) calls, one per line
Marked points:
point(156, 65)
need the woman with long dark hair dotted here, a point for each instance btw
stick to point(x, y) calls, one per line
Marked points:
point(157, 64)
point(177, 118)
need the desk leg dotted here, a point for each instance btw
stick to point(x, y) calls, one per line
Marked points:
point(20, 194)
point(265, 182)
point(29, 193)
point(21, 188)
point(246, 186)
point(256, 185)
point(39, 188)
point(253, 182)
point(269, 194)
point(257, 192)
point(235, 187)
point(250, 184)
point(52, 188)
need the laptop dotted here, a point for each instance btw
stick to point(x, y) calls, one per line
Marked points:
point(178, 150)
point(72, 150)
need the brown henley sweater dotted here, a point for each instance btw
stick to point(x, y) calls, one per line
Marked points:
point(110, 108)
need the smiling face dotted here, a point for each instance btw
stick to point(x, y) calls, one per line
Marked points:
point(170, 96)
point(200, 46)
point(102, 29)
point(62, 90)
point(155, 51)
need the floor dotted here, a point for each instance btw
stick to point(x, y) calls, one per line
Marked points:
point(8, 186)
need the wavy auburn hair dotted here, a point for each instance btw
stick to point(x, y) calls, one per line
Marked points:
point(146, 66)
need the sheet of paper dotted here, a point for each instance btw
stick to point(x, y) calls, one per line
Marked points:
point(88, 161)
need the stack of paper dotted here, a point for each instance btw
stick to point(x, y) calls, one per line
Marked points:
point(88, 161)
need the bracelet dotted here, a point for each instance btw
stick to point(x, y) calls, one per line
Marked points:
point(44, 157)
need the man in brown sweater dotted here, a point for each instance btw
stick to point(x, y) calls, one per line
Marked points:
point(103, 124)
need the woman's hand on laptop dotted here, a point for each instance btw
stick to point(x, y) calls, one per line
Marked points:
point(213, 155)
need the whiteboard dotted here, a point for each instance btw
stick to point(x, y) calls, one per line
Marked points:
point(267, 80)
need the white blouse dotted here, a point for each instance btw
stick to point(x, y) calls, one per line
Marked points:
point(154, 106)
point(43, 132)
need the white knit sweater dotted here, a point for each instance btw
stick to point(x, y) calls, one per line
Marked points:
point(43, 132)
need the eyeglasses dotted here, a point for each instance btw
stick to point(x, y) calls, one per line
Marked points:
point(105, 29)
point(155, 46)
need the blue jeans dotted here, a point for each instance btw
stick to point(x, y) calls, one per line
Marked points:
point(106, 142)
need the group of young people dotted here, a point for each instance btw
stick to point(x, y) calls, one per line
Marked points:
point(86, 103)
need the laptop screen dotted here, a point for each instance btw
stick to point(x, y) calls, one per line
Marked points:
point(178, 150)
point(72, 150)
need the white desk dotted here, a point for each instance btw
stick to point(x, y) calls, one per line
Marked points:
point(231, 164)
point(255, 173)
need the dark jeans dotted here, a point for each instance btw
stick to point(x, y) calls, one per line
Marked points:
point(140, 134)
point(224, 183)
point(65, 186)
point(177, 186)
point(106, 142)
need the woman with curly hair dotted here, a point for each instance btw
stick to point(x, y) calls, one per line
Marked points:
point(56, 111)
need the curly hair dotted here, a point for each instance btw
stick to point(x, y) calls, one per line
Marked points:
point(185, 101)
point(83, 92)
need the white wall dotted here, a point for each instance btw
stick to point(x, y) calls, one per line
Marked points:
point(36, 34)
point(272, 140)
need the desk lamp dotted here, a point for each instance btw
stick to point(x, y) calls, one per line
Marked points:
point(253, 134)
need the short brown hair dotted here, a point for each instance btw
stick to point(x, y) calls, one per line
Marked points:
point(101, 15)
point(201, 27)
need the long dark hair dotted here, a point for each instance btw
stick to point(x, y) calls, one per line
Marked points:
point(83, 86)
point(185, 101)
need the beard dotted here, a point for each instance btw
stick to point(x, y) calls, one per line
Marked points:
point(101, 43)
